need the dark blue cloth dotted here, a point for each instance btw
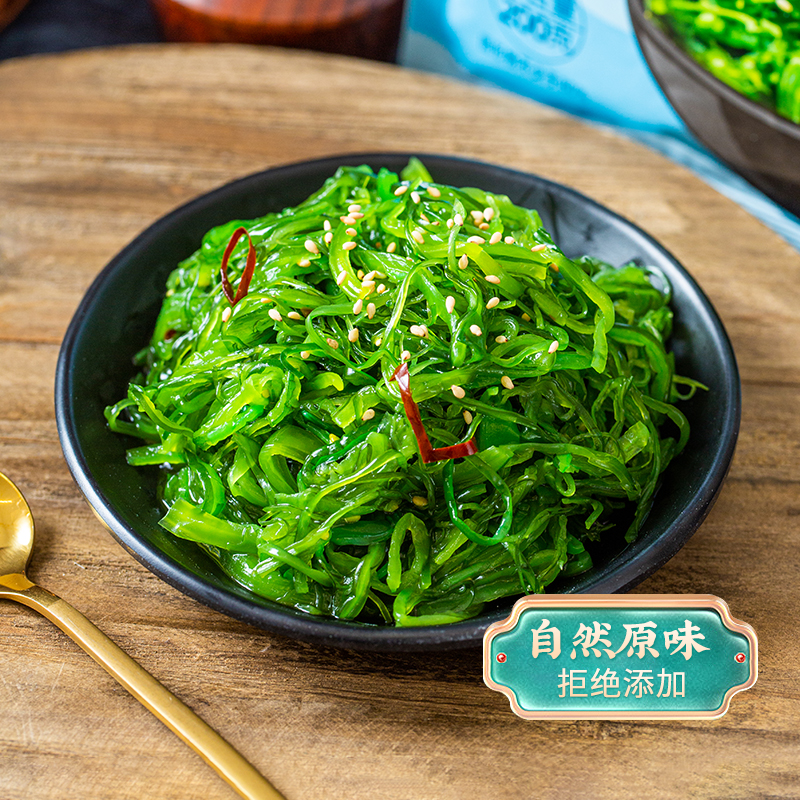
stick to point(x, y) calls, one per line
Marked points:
point(53, 26)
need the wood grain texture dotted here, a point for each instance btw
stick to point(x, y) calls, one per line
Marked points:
point(94, 146)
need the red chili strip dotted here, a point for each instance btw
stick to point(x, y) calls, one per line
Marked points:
point(428, 453)
point(247, 275)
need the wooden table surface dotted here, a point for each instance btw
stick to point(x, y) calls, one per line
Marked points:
point(94, 146)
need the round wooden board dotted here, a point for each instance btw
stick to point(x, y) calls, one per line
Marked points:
point(96, 145)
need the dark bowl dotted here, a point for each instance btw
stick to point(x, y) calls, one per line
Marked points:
point(762, 146)
point(116, 317)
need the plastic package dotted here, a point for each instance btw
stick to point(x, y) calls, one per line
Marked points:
point(577, 55)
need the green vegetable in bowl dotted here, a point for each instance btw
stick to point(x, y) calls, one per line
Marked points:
point(751, 45)
point(399, 400)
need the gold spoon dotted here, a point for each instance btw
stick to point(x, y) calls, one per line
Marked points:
point(16, 546)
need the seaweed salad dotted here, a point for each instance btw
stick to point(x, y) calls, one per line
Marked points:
point(399, 401)
point(751, 45)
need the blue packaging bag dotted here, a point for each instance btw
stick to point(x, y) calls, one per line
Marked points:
point(577, 55)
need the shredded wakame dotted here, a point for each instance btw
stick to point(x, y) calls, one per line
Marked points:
point(277, 398)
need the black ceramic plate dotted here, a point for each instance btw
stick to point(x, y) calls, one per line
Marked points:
point(762, 146)
point(117, 315)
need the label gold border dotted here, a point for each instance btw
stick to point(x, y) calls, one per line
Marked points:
point(617, 601)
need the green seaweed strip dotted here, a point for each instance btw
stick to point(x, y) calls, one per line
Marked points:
point(283, 445)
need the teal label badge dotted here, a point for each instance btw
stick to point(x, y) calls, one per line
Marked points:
point(620, 657)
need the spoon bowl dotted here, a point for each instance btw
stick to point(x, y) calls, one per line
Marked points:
point(16, 547)
point(16, 531)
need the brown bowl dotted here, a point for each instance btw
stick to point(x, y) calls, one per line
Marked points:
point(9, 10)
point(365, 28)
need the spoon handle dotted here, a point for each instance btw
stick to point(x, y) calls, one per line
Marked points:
point(180, 719)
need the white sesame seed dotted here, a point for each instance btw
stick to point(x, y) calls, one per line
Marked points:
point(328, 237)
point(368, 415)
point(450, 222)
point(356, 215)
point(501, 339)
point(553, 347)
point(303, 262)
point(358, 305)
point(492, 279)
point(507, 382)
point(349, 246)
point(341, 278)
point(509, 240)
point(405, 355)
point(417, 236)
point(354, 207)
point(348, 219)
point(488, 213)
point(170, 292)
point(477, 216)
point(294, 315)
point(353, 335)
point(370, 276)
point(434, 192)
point(370, 310)
point(351, 231)
point(305, 354)
point(370, 285)
point(450, 304)
point(458, 392)
point(379, 341)
point(381, 288)
point(526, 317)
point(311, 246)
point(360, 274)
point(419, 501)
point(415, 197)
point(494, 301)
point(496, 237)
point(475, 330)
point(275, 314)
point(400, 190)
point(226, 313)
point(476, 239)
point(458, 219)
point(391, 247)
point(332, 343)
point(326, 225)
point(424, 218)
point(537, 248)
point(418, 330)
point(484, 226)
point(467, 417)
point(463, 262)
